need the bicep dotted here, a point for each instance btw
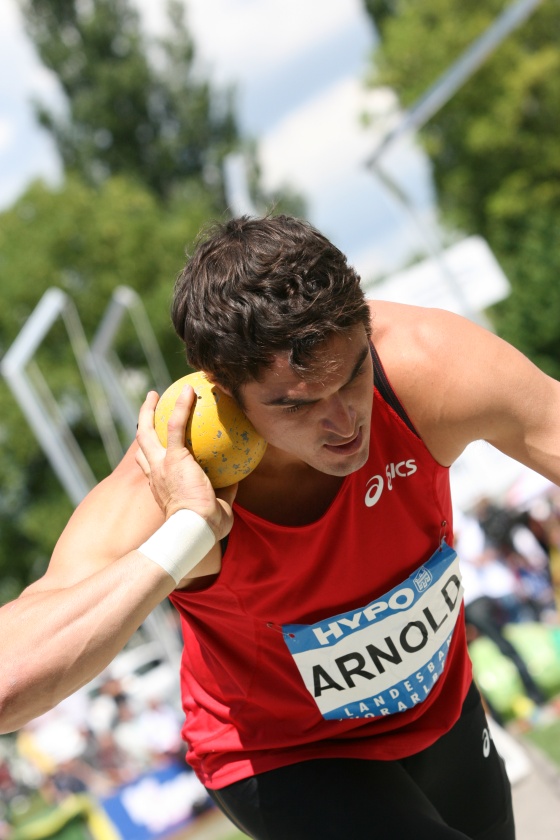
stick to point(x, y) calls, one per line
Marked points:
point(525, 421)
point(461, 383)
point(501, 397)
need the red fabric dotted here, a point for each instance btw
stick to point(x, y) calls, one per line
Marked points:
point(247, 709)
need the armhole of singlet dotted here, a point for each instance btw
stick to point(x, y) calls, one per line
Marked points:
point(383, 385)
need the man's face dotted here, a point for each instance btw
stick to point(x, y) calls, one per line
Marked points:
point(324, 418)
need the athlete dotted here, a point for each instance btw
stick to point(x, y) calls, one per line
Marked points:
point(326, 683)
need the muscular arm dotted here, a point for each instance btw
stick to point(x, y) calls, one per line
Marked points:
point(461, 383)
point(66, 627)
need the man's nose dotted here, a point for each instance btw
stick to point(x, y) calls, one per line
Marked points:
point(340, 416)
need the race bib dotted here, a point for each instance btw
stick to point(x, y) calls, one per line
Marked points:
point(385, 657)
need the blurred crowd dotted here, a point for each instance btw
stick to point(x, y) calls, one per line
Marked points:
point(95, 741)
point(510, 564)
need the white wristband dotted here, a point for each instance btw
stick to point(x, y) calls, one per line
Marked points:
point(180, 543)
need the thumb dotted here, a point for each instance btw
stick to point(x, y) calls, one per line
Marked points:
point(227, 494)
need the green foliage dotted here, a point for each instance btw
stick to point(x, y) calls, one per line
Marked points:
point(494, 148)
point(547, 739)
point(86, 241)
point(529, 317)
point(135, 106)
point(379, 10)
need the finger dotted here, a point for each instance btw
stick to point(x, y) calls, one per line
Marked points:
point(145, 435)
point(227, 494)
point(142, 462)
point(147, 410)
point(179, 418)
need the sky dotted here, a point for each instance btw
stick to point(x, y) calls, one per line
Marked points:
point(299, 82)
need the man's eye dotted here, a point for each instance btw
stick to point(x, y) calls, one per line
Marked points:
point(291, 409)
point(359, 372)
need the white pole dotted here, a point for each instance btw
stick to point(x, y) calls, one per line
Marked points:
point(455, 76)
point(50, 429)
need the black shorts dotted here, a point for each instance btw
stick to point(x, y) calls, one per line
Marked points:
point(457, 788)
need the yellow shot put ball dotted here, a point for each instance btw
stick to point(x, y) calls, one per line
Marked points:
point(219, 435)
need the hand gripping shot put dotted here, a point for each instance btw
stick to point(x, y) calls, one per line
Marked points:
point(218, 433)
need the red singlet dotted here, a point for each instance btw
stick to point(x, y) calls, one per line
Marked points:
point(247, 706)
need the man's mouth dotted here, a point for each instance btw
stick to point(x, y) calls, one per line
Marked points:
point(347, 447)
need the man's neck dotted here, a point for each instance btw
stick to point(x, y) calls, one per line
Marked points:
point(285, 490)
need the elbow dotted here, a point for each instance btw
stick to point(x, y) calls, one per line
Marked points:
point(18, 704)
point(11, 718)
point(24, 697)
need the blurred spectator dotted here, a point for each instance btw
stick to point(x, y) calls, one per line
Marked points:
point(161, 729)
point(104, 706)
point(113, 766)
point(523, 543)
point(8, 786)
point(490, 596)
point(50, 740)
point(69, 777)
point(130, 736)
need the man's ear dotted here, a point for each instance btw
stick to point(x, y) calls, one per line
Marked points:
point(217, 385)
point(224, 390)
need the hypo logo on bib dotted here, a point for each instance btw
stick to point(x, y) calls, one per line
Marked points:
point(385, 657)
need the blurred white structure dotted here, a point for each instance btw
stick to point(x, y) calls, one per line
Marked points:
point(100, 372)
point(465, 277)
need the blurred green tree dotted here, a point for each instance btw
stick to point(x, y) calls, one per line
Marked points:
point(493, 146)
point(378, 10)
point(136, 105)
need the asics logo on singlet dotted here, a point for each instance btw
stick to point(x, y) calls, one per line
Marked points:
point(485, 743)
point(377, 483)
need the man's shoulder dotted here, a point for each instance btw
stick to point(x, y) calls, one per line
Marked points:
point(433, 361)
point(406, 335)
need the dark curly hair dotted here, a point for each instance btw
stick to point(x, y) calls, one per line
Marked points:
point(255, 287)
